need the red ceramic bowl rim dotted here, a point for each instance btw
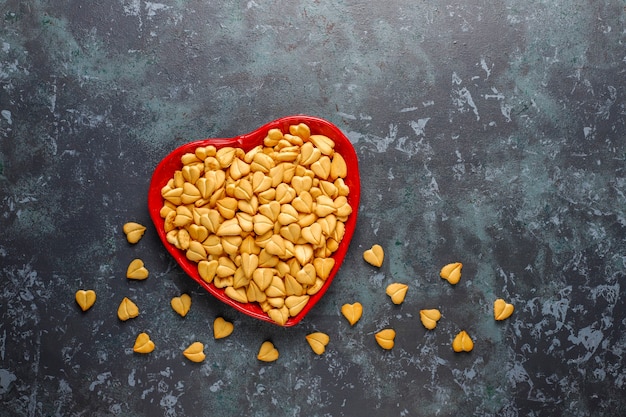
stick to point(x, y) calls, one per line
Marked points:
point(172, 162)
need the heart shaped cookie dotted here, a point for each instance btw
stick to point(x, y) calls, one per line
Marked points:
point(181, 304)
point(267, 352)
point(430, 317)
point(451, 272)
point(352, 312)
point(397, 291)
point(85, 299)
point(127, 309)
point(222, 328)
point(502, 310)
point(462, 342)
point(385, 338)
point(143, 344)
point(228, 189)
point(136, 270)
point(195, 352)
point(133, 231)
point(318, 342)
point(374, 256)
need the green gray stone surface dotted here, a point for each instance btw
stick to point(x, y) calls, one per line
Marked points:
point(490, 133)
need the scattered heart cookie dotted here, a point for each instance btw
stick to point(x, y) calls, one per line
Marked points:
point(136, 270)
point(222, 328)
point(181, 304)
point(143, 344)
point(127, 310)
point(318, 341)
point(267, 352)
point(397, 292)
point(352, 312)
point(502, 310)
point(451, 272)
point(430, 317)
point(462, 342)
point(85, 299)
point(385, 338)
point(195, 352)
point(133, 231)
point(374, 256)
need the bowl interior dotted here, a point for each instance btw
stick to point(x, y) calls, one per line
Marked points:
point(172, 162)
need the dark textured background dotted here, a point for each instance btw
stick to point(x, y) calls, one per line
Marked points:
point(490, 133)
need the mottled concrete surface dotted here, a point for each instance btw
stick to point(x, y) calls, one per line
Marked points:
point(491, 133)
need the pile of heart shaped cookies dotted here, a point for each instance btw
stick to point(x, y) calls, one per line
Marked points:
point(261, 224)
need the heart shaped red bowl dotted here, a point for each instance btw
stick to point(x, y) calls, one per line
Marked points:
point(172, 162)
